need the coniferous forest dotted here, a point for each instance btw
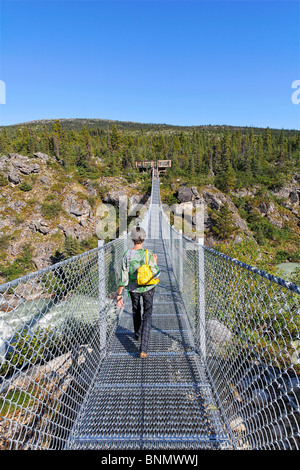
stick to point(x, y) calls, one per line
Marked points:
point(228, 159)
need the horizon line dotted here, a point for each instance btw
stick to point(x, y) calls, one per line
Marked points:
point(146, 123)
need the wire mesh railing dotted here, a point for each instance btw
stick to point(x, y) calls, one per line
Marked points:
point(54, 327)
point(246, 324)
point(255, 366)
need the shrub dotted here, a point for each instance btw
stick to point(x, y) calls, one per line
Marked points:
point(71, 247)
point(21, 265)
point(25, 186)
point(5, 240)
point(295, 277)
point(284, 255)
point(3, 180)
point(51, 209)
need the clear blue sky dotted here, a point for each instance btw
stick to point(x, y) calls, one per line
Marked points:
point(176, 62)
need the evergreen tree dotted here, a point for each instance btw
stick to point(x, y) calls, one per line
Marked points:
point(115, 138)
point(283, 148)
point(225, 180)
point(71, 247)
point(216, 155)
point(192, 165)
point(259, 155)
point(268, 143)
point(45, 141)
point(176, 145)
point(56, 128)
point(86, 141)
point(223, 222)
point(4, 142)
point(55, 143)
point(64, 151)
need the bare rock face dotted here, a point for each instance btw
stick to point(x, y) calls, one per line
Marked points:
point(24, 165)
point(39, 225)
point(14, 166)
point(266, 208)
point(215, 199)
point(294, 197)
point(186, 194)
point(212, 198)
point(43, 157)
point(76, 207)
point(14, 176)
point(290, 193)
point(114, 197)
point(43, 255)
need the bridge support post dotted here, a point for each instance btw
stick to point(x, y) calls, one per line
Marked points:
point(102, 295)
point(124, 235)
point(201, 299)
point(180, 261)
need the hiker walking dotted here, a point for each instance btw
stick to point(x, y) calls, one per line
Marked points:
point(134, 269)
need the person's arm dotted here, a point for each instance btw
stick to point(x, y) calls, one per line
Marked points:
point(119, 297)
point(153, 264)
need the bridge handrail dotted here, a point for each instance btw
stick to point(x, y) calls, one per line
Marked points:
point(246, 326)
point(55, 324)
point(54, 327)
point(271, 277)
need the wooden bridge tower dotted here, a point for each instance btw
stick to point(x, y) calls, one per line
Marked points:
point(160, 165)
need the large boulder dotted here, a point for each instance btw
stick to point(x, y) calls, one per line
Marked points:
point(187, 194)
point(14, 164)
point(218, 334)
point(14, 176)
point(290, 193)
point(78, 208)
point(39, 225)
point(114, 197)
point(294, 196)
point(24, 164)
point(43, 157)
point(215, 199)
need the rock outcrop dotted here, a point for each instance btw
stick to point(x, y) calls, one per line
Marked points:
point(188, 194)
point(212, 198)
point(290, 193)
point(14, 166)
point(22, 218)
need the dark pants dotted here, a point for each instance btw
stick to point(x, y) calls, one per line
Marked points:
point(142, 324)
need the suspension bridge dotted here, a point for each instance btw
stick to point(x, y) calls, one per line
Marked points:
point(223, 365)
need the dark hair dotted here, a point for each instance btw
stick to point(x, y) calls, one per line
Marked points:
point(138, 239)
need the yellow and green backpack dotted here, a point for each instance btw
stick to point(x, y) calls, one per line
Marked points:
point(144, 274)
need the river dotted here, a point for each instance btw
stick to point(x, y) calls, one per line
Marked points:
point(286, 269)
point(45, 313)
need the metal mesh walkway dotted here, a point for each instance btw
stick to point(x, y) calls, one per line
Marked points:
point(163, 401)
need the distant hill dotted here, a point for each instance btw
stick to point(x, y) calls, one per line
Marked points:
point(91, 124)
